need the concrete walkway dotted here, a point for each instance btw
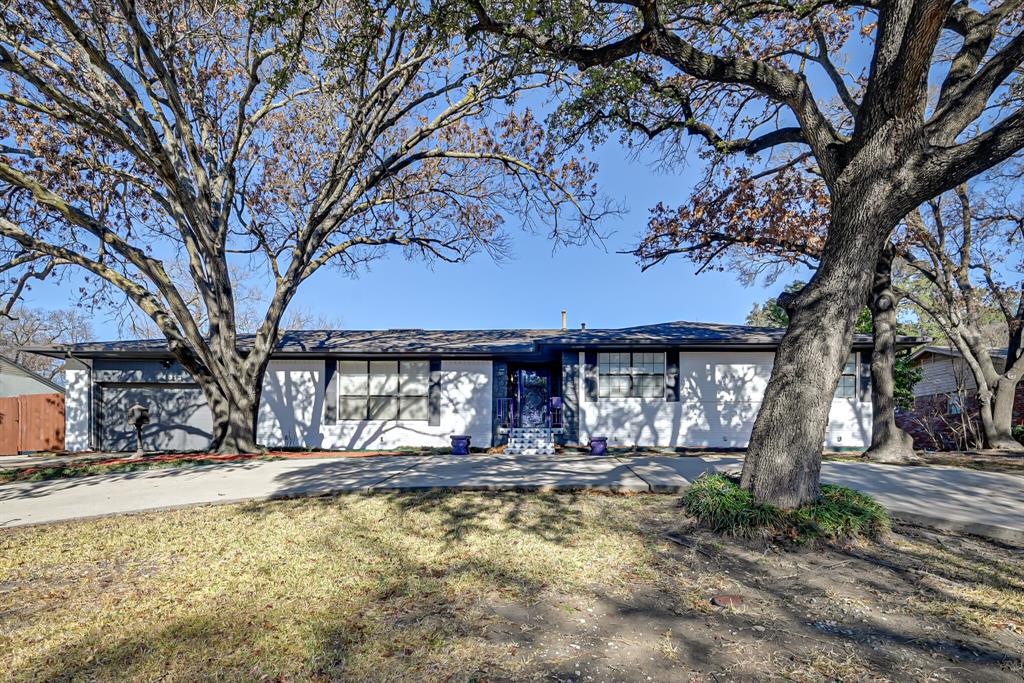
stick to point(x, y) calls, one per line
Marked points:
point(965, 500)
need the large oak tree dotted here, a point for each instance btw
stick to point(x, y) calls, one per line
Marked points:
point(281, 136)
point(936, 103)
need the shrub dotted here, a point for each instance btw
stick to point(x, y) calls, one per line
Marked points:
point(718, 503)
point(1018, 432)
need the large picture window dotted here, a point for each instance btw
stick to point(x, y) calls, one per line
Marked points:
point(631, 375)
point(383, 389)
point(848, 382)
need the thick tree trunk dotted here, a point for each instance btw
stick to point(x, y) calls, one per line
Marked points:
point(997, 417)
point(889, 443)
point(783, 462)
point(233, 406)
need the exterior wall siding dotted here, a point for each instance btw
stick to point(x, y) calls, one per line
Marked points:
point(78, 415)
point(719, 396)
point(291, 411)
point(942, 374)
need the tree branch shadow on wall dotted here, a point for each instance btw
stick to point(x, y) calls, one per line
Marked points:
point(292, 413)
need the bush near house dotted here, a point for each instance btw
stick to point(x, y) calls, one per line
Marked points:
point(718, 503)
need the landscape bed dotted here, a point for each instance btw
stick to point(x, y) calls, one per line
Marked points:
point(494, 586)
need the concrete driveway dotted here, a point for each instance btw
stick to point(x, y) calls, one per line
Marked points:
point(978, 502)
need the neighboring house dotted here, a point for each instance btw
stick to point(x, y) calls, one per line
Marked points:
point(672, 385)
point(17, 380)
point(31, 410)
point(945, 414)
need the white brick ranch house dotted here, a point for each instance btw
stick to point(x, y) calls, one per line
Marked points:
point(676, 384)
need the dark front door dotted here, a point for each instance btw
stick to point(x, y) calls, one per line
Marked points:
point(534, 394)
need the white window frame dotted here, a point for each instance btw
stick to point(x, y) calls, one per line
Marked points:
point(855, 374)
point(632, 373)
point(400, 386)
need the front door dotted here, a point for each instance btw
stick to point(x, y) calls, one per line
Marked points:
point(534, 394)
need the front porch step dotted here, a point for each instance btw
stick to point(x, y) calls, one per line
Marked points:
point(531, 441)
point(544, 450)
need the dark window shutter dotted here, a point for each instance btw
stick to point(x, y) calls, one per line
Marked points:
point(330, 391)
point(434, 393)
point(672, 376)
point(590, 376)
point(865, 376)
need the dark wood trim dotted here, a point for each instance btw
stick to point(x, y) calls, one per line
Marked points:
point(590, 376)
point(672, 376)
point(330, 391)
point(434, 393)
point(864, 376)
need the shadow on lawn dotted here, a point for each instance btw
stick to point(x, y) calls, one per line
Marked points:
point(438, 601)
point(17, 490)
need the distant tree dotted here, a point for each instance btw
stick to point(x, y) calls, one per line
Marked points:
point(936, 102)
point(280, 137)
point(24, 326)
point(965, 271)
point(772, 314)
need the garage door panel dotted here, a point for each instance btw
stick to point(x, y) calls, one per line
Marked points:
point(180, 419)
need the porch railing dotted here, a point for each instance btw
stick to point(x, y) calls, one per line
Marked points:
point(508, 415)
point(505, 410)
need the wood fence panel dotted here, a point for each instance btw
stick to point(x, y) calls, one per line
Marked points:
point(32, 422)
point(10, 430)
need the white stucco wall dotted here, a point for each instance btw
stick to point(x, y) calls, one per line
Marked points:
point(291, 410)
point(720, 394)
point(77, 406)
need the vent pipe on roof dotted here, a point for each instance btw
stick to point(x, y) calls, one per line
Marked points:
point(583, 326)
point(565, 319)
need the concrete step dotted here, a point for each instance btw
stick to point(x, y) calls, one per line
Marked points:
point(531, 441)
point(529, 451)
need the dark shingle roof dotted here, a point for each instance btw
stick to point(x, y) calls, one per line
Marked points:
point(418, 341)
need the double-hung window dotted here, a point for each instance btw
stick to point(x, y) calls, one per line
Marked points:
point(848, 382)
point(383, 389)
point(631, 375)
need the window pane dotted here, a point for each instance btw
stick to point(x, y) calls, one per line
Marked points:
point(414, 408)
point(414, 377)
point(851, 365)
point(618, 386)
point(383, 408)
point(350, 408)
point(659, 363)
point(847, 387)
point(352, 379)
point(650, 386)
point(384, 377)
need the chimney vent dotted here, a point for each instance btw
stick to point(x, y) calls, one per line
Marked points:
point(583, 326)
point(565, 319)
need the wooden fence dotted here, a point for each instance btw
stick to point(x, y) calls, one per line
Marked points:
point(32, 422)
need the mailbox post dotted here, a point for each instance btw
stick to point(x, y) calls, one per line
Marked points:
point(138, 417)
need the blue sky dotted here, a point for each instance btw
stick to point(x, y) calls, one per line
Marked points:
point(594, 283)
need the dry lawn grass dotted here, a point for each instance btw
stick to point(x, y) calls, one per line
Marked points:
point(505, 586)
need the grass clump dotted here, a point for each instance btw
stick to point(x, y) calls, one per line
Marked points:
point(718, 503)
